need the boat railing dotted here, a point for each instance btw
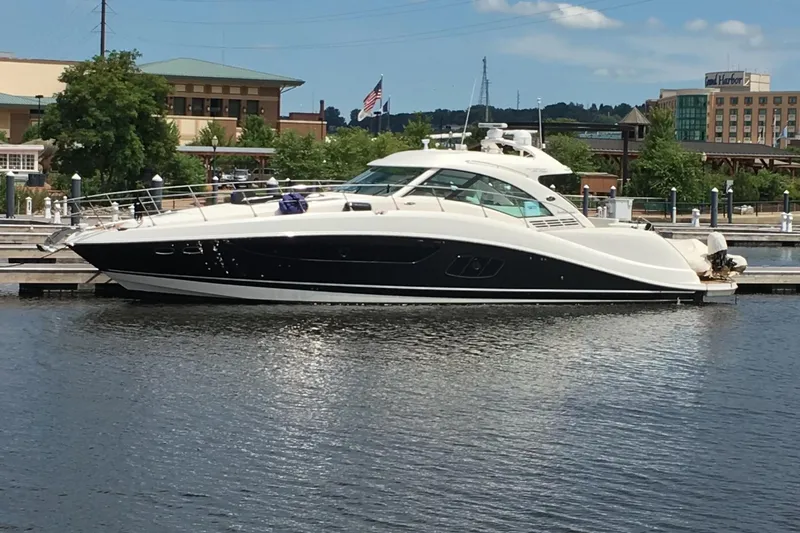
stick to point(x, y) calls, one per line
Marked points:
point(108, 209)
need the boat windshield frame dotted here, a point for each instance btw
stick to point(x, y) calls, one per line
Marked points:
point(382, 180)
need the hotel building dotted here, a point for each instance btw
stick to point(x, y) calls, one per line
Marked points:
point(202, 92)
point(733, 107)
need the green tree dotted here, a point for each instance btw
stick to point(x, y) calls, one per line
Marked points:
point(108, 124)
point(3, 136)
point(663, 163)
point(417, 129)
point(183, 169)
point(256, 133)
point(210, 130)
point(571, 152)
point(388, 143)
point(347, 153)
point(298, 158)
point(31, 133)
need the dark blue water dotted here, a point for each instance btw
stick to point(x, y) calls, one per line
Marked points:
point(128, 418)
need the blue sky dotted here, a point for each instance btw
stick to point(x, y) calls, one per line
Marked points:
point(430, 51)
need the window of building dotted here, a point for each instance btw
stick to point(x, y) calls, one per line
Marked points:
point(198, 107)
point(179, 106)
point(215, 107)
point(3, 161)
point(748, 100)
point(29, 162)
point(777, 100)
point(792, 99)
point(734, 100)
point(762, 100)
point(14, 162)
point(720, 100)
point(235, 108)
point(252, 107)
point(477, 189)
point(717, 139)
point(731, 139)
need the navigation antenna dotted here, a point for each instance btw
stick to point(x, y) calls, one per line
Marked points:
point(484, 99)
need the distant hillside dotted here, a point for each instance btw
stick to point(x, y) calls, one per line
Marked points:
point(441, 118)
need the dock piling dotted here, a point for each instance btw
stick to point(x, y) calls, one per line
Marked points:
point(789, 219)
point(695, 218)
point(786, 208)
point(132, 210)
point(714, 207)
point(114, 212)
point(48, 206)
point(57, 213)
point(673, 202)
point(729, 206)
point(214, 190)
point(11, 208)
point(157, 183)
point(76, 193)
point(29, 207)
point(64, 205)
point(586, 200)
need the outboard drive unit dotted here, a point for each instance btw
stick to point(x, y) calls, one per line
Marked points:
point(718, 254)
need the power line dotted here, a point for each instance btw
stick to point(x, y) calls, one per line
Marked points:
point(333, 17)
point(444, 33)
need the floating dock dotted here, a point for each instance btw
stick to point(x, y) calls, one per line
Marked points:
point(742, 235)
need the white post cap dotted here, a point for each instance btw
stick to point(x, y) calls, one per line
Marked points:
point(10, 173)
point(613, 187)
point(75, 177)
point(674, 189)
point(586, 186)
point(714, 190)
point(786, 192)
point(157, 178)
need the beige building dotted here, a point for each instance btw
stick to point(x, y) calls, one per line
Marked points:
point(733, 107)
point(202, 92)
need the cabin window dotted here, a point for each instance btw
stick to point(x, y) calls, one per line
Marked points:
point(381, 181)
point(478, 189)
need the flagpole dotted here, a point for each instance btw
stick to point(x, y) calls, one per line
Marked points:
point(389, 115)
point(380, 106)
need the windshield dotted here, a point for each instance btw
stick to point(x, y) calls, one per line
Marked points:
point(381, 181)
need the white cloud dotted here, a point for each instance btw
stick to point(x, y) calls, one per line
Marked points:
point(696, 25)
point(668, 57)
point(568, 15)
point(653, 22)
point(737, 28)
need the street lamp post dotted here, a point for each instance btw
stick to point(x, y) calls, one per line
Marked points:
point(539, 106)
point(39, 114)
point(214, 144)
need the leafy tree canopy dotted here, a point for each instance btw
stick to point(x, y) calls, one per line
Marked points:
point(109, 121)
point(572, 152)
point(256, 133)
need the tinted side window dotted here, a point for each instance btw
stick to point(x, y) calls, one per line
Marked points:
point(482, 190)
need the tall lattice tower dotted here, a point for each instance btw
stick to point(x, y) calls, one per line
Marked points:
point(484, 101)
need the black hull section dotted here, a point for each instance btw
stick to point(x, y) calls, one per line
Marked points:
point(380, 266)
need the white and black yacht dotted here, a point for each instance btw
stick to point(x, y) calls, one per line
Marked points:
point(421, 226)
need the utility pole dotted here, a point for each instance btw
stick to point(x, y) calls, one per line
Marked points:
point(484, 99)
point(103, 28)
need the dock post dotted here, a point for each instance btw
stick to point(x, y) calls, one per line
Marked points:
point(586, 200)
point(157, 183)
point(47, 208)
point(29, 207)
point(729, 206)
point(784, 222)
point(114, 212)
point(214, 190)
point(10, 196)
point(132, 210)
point(76, 193)
point(57, 213)
point(612, 192)
point(786, 208)
point(64, 205)
point(789, 219)
point(714, 206)
point(695, 218)
point(673, 202)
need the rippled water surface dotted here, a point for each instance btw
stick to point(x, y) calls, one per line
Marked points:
point(123, 417)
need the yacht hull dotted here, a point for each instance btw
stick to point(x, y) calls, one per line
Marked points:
point(364, 269)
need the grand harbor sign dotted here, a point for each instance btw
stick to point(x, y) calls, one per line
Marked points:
point(734, 78)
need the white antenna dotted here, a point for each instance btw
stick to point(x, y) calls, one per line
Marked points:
point(466, 122)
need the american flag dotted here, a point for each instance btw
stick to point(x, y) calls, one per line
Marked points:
point(371, 98)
